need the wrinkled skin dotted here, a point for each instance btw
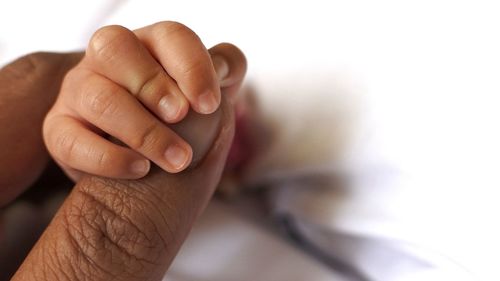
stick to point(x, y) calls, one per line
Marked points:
point(119, 229)
point(107, 229)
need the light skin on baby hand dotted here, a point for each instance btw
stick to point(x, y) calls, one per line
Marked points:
point(130, 85)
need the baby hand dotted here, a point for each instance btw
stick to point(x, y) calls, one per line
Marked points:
point(129, 85)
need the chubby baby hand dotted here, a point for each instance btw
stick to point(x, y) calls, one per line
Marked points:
point(130, 85)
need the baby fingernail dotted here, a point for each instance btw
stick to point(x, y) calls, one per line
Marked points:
point(140, 167)
point(221, 67)
point(207, 102)
point(170, 107)
point(177, 156)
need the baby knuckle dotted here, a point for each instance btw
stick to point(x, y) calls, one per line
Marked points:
point(169, 29)
point(72, 78)
point(64, 144)
point(101, 103)
point(146, 139)
point(193, 68)
point(104, 161)
point(107, 41)
point(151, 84)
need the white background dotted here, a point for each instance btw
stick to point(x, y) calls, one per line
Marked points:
point(425, 74)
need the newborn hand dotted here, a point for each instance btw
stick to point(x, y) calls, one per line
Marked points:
point(129, 85)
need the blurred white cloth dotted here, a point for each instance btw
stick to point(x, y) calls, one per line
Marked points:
point(225, 245)
point(397, 98)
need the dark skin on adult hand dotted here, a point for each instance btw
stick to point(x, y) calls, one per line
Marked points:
point(108, 229)
point(28, 88)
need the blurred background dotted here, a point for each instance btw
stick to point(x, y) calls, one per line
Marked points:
point(383, 156)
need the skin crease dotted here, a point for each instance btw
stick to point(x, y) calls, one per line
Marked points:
point(128, 229)
point(109, 229)
point(26, 144)
point(128, 86)
point(199, 131)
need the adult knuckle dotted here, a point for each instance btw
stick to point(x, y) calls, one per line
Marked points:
point(52, 269)
point(38, 59)
point(30, 63)
point(31, 66)
point(83, 230)
point(111, 230)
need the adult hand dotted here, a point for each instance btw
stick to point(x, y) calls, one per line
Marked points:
point(132, 230)
point(127, 229)
point(28, 88)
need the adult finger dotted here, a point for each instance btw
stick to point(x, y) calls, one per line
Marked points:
point(29, 87)
point(230, 64)
point(128, 230)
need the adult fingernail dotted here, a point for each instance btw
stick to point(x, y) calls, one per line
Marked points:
point(207, 103)
point(221, 67)
point(177, 156)
point(140, 167)
point(169, 107)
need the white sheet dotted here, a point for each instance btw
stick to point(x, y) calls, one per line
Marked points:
point(225, 246)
